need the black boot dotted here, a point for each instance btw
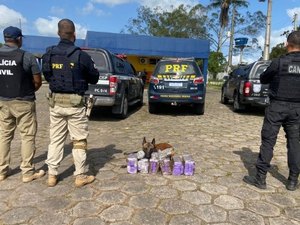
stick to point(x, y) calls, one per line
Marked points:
point(292, 182)
point(258, 181)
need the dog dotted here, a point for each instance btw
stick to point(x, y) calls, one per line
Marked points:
point(150, 147)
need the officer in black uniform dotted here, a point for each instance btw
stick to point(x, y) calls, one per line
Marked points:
point(283, 75)
point(68, 70)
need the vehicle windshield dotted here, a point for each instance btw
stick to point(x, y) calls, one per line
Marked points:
point(260, 69)
point(176, 68)
point(99, 59)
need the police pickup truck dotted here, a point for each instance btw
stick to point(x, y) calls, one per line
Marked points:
point(118, 86)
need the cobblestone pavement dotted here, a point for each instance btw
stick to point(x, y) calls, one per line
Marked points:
point(224, 145)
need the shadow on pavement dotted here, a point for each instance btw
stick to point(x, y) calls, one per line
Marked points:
point(249, 159)
point(98, 157)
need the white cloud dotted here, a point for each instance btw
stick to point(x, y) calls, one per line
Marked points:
point(90, 8)
point(164, 4)
point(57, 11)
point(291, 13)
point(10, 17)
point(113, 2)
point(48, 27)
point(167, 4)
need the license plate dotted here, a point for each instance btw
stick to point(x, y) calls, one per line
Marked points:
point(177, 84)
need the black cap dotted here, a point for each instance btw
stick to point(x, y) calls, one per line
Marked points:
point(12, 32)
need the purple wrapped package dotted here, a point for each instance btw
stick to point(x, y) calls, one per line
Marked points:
point(132, 163)
point(177, 166)
point(143, 166)
point(165, 166)
point(154, 166)
point(189, 165)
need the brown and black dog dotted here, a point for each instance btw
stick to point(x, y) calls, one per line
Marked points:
point(150, 147)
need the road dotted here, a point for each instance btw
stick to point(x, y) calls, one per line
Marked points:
point(223, 144)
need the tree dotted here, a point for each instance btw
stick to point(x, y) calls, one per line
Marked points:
point(216, 63)
point(182, 22)
point(224, 5)
point(277, 51)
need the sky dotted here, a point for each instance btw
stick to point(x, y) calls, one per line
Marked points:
point(40, 17)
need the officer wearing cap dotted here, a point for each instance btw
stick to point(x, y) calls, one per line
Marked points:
point(20, 77)
point(283, 75)
point(68, 71)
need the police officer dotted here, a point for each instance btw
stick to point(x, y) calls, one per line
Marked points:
point(20, 77)
point(283, 75)
point(68, 71)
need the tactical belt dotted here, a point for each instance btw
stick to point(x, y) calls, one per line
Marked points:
point(65, 100)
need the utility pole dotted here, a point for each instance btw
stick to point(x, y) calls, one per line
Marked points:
point(268, 30)
point(295, 21)
point(231, 39)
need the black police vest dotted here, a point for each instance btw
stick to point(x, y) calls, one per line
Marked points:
point(15, 81)
point(64, 75)
point(286, 84)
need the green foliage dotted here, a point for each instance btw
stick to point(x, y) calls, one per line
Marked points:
point(1, 45)
point(216, 63)
point(277, 51)
point(182, 22)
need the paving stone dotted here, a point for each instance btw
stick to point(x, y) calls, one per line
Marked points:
point(244, 193)
point(293, 213)
point(109, 185)
point(229, 202)
point(156, 180)
point(85, 193)
point(243, 217)
point(58, 190)
point(19, 215)
point(111, 197)
point(86, 209)
point(263, 208)
point(214, 189)
point(135, 188)
point(149, 217)
point(196, 197)
point(143, 201)
point(3, 207)
point(184, 185)
point(89, 221)
point(281, 200)
point(173, 206)
point(53, 218)
point(164, 192)
point(116, 213)
point(210, 213)
point(281, 221)
point(54, 204)
point(185, 220)
point(106, 175)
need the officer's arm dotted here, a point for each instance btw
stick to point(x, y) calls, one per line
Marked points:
point(90, 72)
point(267, 76)
point(37, 81)
point(30, 64)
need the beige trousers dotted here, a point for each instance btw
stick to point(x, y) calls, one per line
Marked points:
point(21, 114)
point(64, 121)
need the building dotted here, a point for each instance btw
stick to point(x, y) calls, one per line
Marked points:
point(141, 50)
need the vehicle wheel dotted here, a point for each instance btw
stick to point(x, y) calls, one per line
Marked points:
point(224, 100)
point(152, 108)
point(199, 108)
point(237, 106)
point(124, 112)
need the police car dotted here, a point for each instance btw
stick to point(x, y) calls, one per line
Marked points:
point(177, 81)
point(243, 86)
